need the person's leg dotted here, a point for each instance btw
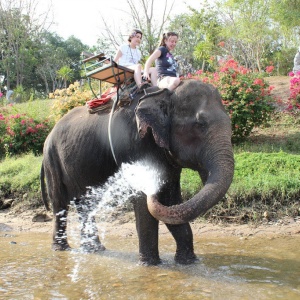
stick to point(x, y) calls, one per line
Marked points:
point(137, 73)
point(174, 83)
point(168, 82)
point(153, 75)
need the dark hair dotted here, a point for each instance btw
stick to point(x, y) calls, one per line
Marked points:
point(166, 36)
point(134, 33)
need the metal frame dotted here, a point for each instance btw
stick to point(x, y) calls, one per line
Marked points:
point(104, 69)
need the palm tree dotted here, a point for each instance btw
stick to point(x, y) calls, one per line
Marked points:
point(65, 73)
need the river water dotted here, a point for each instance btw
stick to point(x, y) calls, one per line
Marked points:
point(228, 268)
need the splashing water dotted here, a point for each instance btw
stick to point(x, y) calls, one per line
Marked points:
point(142, 177)
point(128, 182)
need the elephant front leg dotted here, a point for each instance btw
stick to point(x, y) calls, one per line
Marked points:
point(60, 241)
point(184, 241)
point(147, 230)
point(90, 241)
point(89, 238)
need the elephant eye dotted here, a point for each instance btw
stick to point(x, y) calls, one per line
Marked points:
point(201, 124)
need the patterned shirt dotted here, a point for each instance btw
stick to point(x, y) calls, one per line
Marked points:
point(166, 65)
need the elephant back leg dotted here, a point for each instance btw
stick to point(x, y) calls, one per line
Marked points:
point(89, 238)
point(60, 241)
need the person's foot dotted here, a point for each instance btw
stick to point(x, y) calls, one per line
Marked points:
point(144, 85)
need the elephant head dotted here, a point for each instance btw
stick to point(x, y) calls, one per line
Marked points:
point(194, 128)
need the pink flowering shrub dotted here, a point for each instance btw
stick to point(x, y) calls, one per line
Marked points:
point(21, 134)
point(245, 95)
point(294, 99)
point(270, 69)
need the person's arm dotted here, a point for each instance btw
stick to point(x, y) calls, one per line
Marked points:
point(117, 56)
point(156, 54)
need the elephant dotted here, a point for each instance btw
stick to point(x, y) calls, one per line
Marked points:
point(185, 128)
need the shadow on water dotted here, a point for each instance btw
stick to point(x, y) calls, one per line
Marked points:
point(227, 268)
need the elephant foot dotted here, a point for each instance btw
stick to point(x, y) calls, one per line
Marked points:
point(91, 244)
point(92, 248)
point(143, 261)
point(59, 246)
point(186, 259)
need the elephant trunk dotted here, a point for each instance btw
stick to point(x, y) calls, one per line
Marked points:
point(220, 176)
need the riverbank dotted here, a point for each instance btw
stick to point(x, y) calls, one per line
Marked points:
point(123, 225)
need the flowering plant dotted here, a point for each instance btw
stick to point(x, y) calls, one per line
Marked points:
point(21, 134)
point(73, 96)
point(245, 95)
point(294, 99)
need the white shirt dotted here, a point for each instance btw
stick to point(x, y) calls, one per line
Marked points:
point(129, 56)
point(296, 62)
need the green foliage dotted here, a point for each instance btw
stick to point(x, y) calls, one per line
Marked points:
point(245, 95)
point(257, 176)
point(19, 175)
point(24, 132)
point(65, 73)
point(66, 99)
point(283, 59)
point(73, 96)
point(190, 183)
point(264, 176)
point(262, 181)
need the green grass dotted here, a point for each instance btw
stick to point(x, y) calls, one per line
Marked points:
point(38, 109)
point(20, 176)
point(281, 134)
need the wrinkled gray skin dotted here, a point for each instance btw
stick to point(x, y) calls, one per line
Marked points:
point(188, 128)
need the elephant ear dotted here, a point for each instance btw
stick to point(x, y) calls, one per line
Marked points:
point(153, 114)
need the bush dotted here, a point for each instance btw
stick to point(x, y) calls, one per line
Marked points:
point(73, 96)
point(245, 95)
point(294, 99)
point(22, 133)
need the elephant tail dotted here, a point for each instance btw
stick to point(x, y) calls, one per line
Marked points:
point(43, 188)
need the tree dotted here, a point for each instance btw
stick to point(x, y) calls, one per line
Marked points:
point(143, 18)
point(188, 39)
point(52, 57)
point(20, 29)
point(247, 31)
point(208, 28)
point(65, 73)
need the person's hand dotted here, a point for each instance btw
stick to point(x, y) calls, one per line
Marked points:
point(146, 76)
point(107, 61)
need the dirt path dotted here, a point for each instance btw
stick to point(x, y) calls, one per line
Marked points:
point(124, 225)
point(281, 86)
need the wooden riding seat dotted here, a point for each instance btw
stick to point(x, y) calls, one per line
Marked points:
point(105, 69)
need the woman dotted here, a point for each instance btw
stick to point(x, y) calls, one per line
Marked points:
point(128, 55)
point(166, 65)
point(297, 62)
